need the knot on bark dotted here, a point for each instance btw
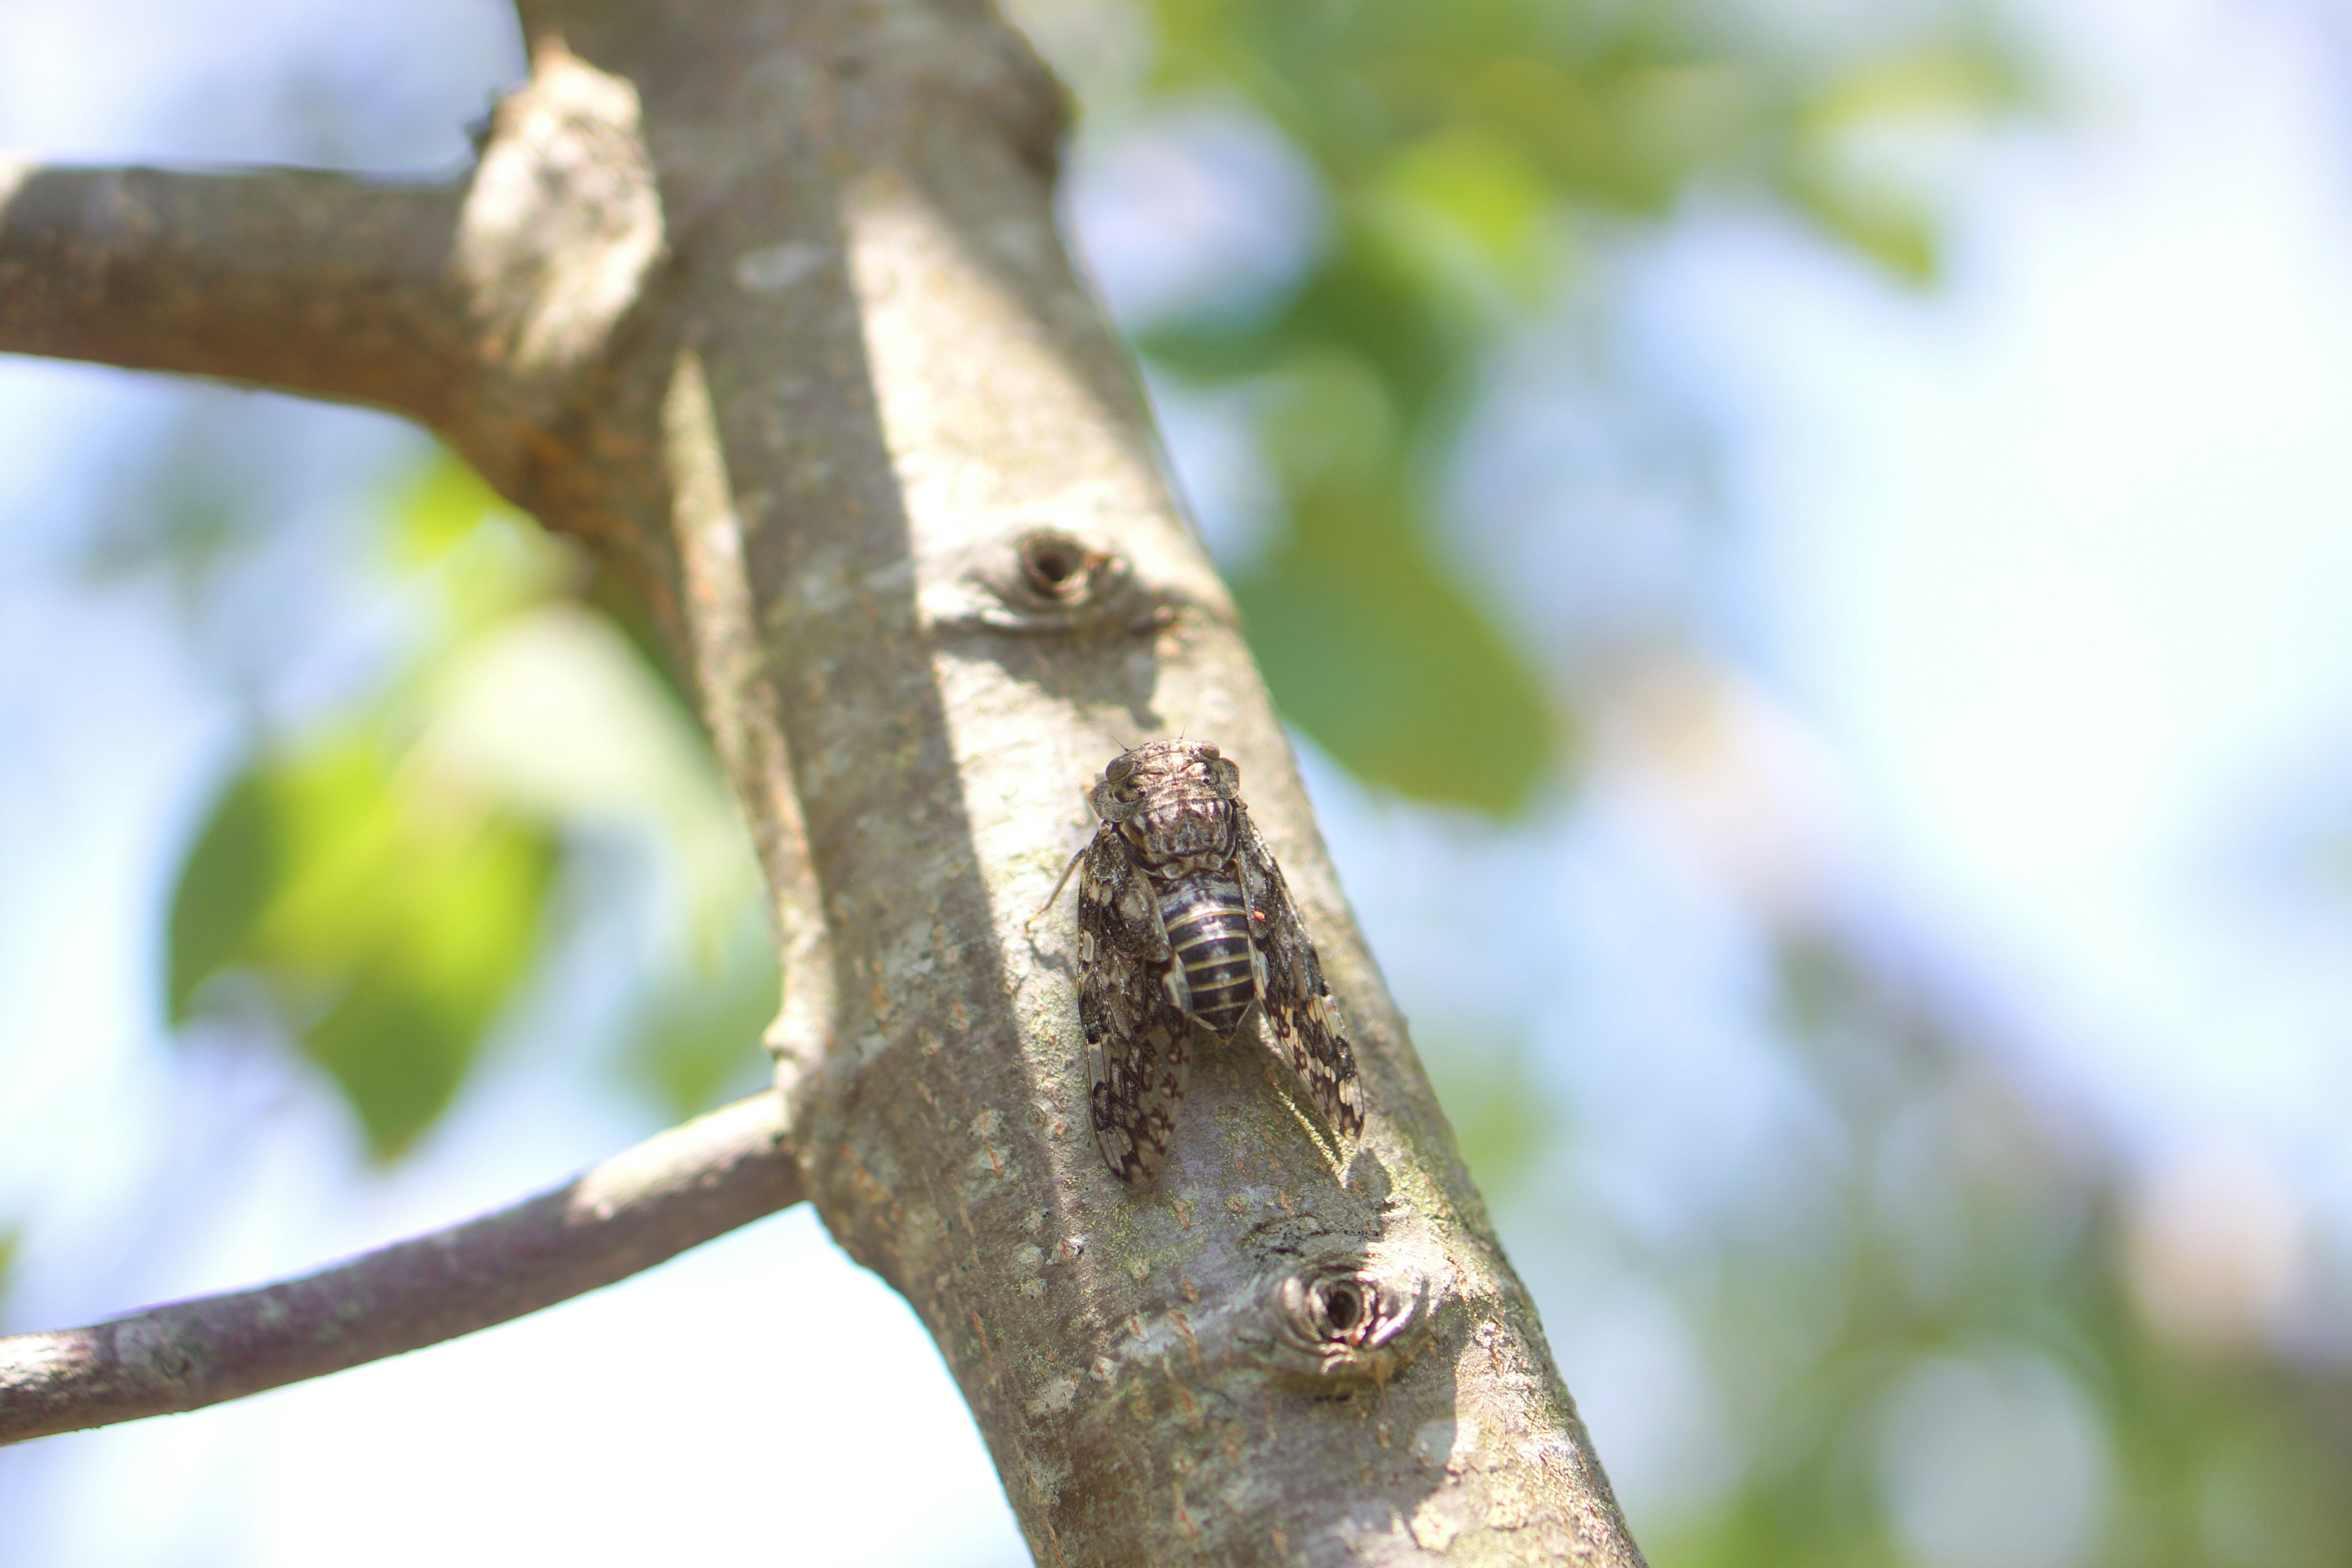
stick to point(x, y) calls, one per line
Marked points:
point(560, 227)
point(1058, 568)
point(1043, 581)
point(1344, 1321)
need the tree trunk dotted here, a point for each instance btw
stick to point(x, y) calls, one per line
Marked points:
point(767, 304)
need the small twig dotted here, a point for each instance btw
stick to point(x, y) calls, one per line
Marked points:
point(620, 1217)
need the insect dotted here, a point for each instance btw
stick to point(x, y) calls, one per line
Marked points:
point(1184, 918)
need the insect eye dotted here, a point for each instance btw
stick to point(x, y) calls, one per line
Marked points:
point(1119, 768)
point(1211, 753)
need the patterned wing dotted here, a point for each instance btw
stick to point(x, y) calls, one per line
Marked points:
point(1138, 1045)
point(1309, 1038)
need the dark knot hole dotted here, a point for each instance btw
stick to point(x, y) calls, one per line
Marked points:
point(1342, 1306)
point(1054, 564)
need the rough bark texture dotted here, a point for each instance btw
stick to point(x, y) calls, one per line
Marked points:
point(618, 1218)
point(309, 281)
point(771, 309)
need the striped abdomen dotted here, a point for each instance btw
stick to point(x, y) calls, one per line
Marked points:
point(1209, 929)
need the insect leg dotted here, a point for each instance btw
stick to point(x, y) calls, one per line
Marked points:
point(1058, 886)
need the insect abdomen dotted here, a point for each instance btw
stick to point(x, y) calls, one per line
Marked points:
point(1208, 927)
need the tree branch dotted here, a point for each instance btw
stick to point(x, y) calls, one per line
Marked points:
point(485, 307)
point(767, 305)
point(310, 281)
point(621, 1217)
point(860, 394)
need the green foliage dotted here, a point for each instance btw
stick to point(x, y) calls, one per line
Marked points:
point(1966, 1226)
point(1499, 110)
point(388, 913)
point(383, 880)
point(695, 1043)
point(1366, 639)
point(385, 902)
point(1503, 1117)
point(1470, 154)
point(479, 560)
point(1386, 662)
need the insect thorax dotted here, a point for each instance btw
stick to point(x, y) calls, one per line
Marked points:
point(1181, 836)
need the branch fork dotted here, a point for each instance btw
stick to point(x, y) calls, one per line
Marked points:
point(766, 304)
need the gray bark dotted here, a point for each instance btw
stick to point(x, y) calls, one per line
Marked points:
point(768, 306)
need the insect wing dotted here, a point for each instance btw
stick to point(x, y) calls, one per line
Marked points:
point(1138, 1045)
point(1309, 1038)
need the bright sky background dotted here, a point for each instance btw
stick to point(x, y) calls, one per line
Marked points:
point(2059, 561)
point(2043, 577)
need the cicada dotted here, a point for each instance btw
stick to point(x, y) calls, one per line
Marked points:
point(1184, 921)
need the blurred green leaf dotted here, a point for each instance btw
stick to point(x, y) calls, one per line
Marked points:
point(626, 609)
point(384, 880)
point(697, 1041)
point(484, 559)
point(1958, 1221)
point(1366, 638)
point(1367, 643)
point(225, 885)
point(1469, 152)
point(389, 916)
point(497, 560)
point(2264, 1495)
point(1475, 213)
point(1366, 305)
point(1969, 74)
point(1503, 1117)
point(1883, 224)
point(441, 507)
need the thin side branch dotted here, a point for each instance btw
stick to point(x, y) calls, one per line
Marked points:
point(618, 1218)
point(301, 279)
